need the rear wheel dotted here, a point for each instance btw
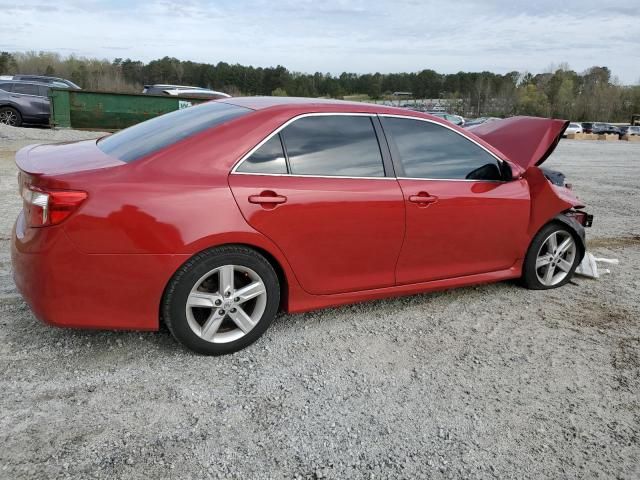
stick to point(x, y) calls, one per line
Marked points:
point(10, 116)
point(222, 300)
point(552, 258)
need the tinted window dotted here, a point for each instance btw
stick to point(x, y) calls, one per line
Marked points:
point(428, 150)
point(5, 86)
point(43, 91)
point(269, 158)
point(144, 138)
point(25, 88)
point(335, 145)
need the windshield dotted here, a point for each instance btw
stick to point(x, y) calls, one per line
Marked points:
point(147, 137)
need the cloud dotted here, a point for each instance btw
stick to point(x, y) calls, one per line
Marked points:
point(337, 35)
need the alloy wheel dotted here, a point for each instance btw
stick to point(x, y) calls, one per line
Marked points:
point(226, 303)
point(555, 258)
point(8, 117)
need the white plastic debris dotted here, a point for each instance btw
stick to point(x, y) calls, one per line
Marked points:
point(589, 266)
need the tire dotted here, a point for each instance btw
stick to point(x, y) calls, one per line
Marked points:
point(541, 257)
point(213, 315)
point(10, 116)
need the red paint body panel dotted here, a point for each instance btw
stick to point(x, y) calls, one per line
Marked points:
point(336, 241)
point(472, 228)
point(338, 234)
point(69, 289)
point(62, 158)
point(304, 302)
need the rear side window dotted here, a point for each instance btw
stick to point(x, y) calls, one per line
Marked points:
point(147, 137)
point(5, 86)
point(269, 158)
point(333, 145)
point(25, 88)
point(428, 150)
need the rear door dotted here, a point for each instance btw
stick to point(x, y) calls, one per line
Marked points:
point(461, 218)
point(323, 191)
point(33, 105)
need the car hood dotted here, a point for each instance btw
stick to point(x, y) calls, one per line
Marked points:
point(526, 141)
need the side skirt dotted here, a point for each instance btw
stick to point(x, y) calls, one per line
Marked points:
point(306, 302)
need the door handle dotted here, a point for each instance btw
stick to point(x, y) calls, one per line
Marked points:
point(267, 197)
point(423, 197)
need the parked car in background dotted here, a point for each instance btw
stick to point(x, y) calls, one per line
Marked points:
point(217, 216)
point(449, 117)
point(479, 121)
point(181, 90)
point(52, 81)
point(629, 130)
point(599, 127)
point(573, 128)
point(24, 103)
point(605, 128)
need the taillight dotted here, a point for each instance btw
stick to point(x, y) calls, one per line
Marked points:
point(45, 207)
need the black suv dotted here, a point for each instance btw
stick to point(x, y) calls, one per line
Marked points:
point(24, 102)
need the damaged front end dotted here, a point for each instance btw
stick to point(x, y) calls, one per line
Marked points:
point(528, 142)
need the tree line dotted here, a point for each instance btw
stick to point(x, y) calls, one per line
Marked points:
point(562, 92)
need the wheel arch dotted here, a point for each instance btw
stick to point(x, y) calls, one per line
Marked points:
point(282, 269)
point(12, 106)
point(574, 228)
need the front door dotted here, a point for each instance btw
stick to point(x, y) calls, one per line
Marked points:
point(327, 202)
point(462, 218)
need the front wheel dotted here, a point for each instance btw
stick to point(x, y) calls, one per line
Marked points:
point(222, 300)
point(552, 258)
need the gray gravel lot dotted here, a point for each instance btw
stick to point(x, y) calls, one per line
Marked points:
point(486, 382)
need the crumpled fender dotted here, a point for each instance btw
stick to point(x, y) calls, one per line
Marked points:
point(573, 224)
point(549, 202)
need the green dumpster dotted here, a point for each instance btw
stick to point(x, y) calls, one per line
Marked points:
point(107, 111)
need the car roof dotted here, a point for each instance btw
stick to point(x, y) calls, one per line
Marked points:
point(27, 82)
point(34, 75)
point(169, 85)
point(310, 105)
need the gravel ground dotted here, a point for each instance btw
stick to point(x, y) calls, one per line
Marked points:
point(486, 382)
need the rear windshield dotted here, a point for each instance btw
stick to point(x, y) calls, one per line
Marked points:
point(147, 137)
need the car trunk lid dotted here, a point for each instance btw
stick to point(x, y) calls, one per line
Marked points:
point(526, 141)
point(63, 158)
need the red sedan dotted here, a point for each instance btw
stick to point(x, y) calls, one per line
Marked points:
point(213, 218)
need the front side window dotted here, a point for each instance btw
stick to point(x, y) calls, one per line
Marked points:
point(333, 145)
point(429, 150)
point(269, 158)
point(147, 137)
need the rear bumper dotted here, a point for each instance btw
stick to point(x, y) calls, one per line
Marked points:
point(67, 288)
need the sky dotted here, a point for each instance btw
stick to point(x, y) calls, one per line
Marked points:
point(333, 36)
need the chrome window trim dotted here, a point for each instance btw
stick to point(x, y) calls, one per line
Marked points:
point(315, 176)
point(359, 114)
point(393, 115)
point(289, 122)
point(451, 179)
